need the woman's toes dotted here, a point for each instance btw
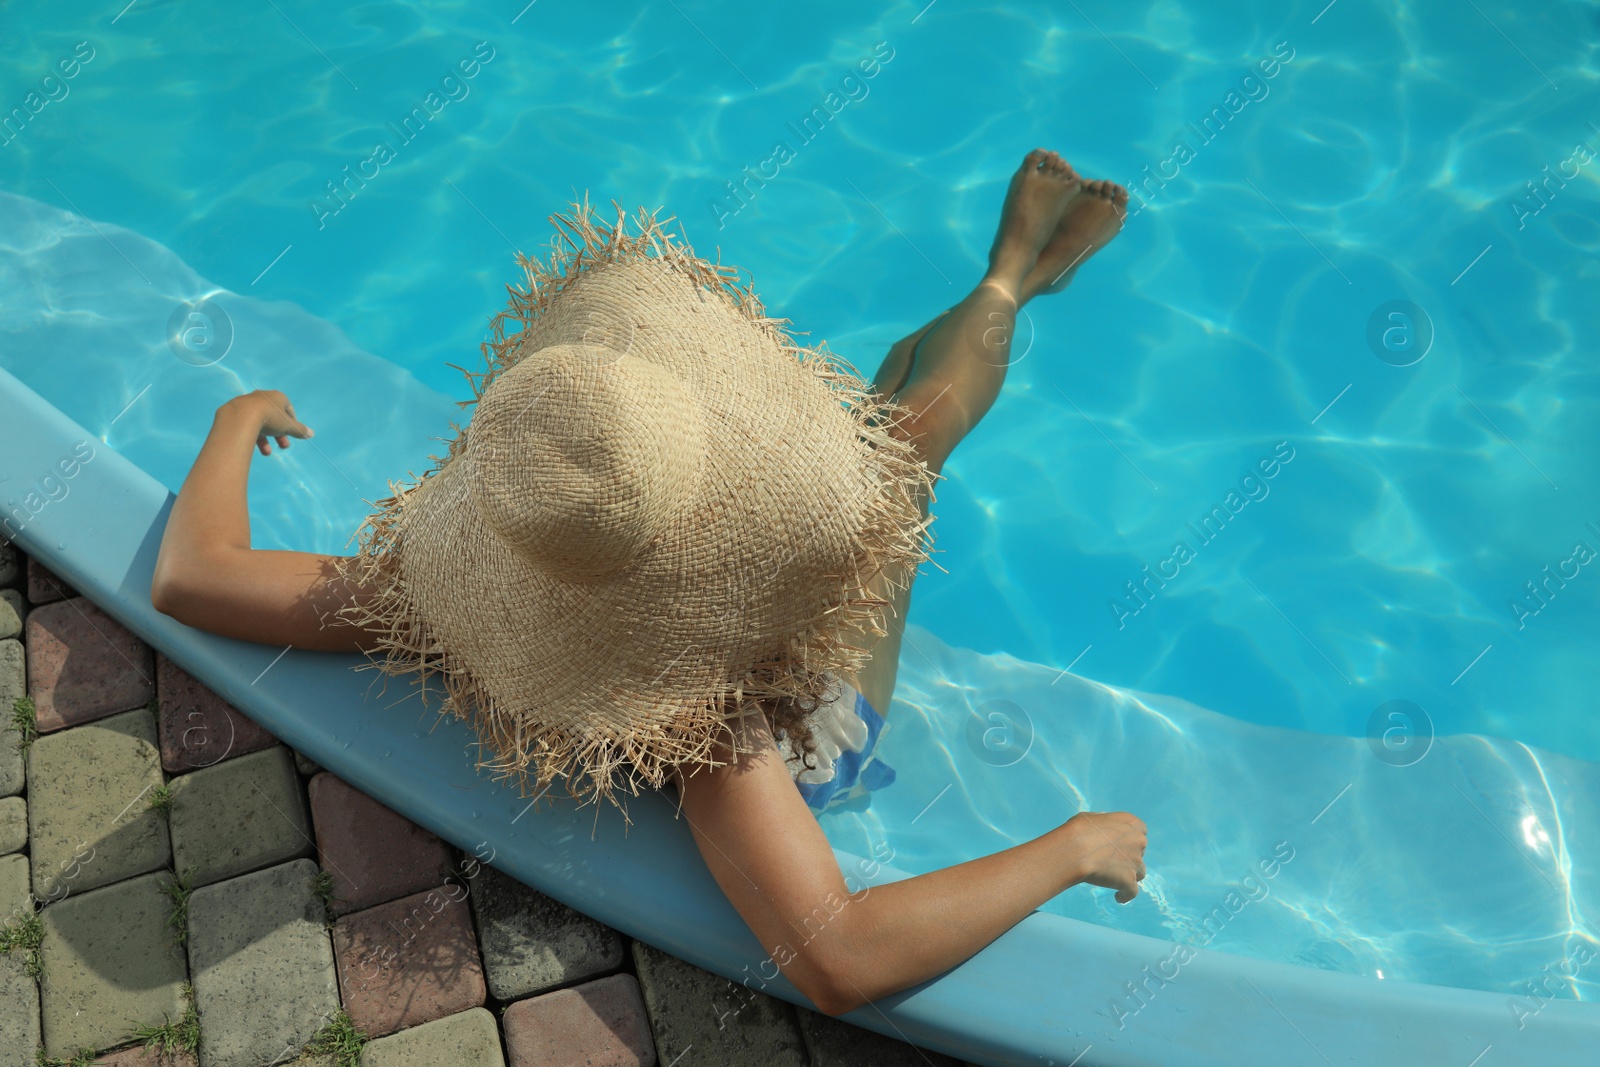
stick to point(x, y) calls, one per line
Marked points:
point(1035, 159)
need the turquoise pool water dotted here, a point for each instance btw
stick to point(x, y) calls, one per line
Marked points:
point(1424, 534)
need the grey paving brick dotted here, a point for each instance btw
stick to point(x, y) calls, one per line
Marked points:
point(262, 965)
point(729, 1025)
point(239, 816)
point(532, 943)
point(89, 817)
point(13, 610)
point(468, 1039)
point(111, 963)
point(15, 888)
point(13, 684)
point(19, 1013)
point(836, 1043)
point(19, 993)
point(13, 825)
point(306, 767)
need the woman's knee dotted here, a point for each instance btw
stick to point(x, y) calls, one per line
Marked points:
point(933, 423)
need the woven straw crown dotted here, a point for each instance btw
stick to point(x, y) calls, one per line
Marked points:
point(663, 514)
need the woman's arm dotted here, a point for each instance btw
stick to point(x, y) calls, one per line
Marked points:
point(770, 857)
point(207, 575)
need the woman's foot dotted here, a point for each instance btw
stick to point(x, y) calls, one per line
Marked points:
point(1088, 223)
point(1040, 191)
point(1051, 222)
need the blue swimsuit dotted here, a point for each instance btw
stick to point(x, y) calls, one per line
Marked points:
point(845, 730)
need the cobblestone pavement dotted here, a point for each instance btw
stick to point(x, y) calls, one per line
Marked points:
point(181, 889)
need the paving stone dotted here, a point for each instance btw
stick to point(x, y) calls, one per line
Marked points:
point(836, 1043)
point(199, 728)
point(410, 961)
point(374, 854)
point(292, 1052)
point(262, 964)
point(13, 825)
point(470, 1039)
point(15, 886)
point(84, 665)
point(12, 613)
point(89, 817)
point(13, 684)
point(239, 816)
point(19, 1013)
point(306, 768)
point(44, 587)
point(110, 963)
point(598, 1024)
point(19, 993)
point(531, 943)
point(8, 562)
point(729, 1025)
point(139, 1056)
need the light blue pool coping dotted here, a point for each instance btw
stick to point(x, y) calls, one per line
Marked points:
point(1038, 995)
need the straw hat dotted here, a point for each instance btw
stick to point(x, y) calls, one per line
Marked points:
point(663, 514)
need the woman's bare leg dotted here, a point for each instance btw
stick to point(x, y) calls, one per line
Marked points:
point(950, 372)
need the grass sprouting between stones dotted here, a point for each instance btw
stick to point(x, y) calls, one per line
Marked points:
point(322, 887)
point(180, 1036)
point(84, 1057)
point(160, 798)
point(25, 721)
point(338, 1038)
point(179, 888)
point(24, 934)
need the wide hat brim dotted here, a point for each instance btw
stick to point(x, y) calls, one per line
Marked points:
point(759, 587)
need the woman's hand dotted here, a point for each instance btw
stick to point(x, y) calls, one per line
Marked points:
point(1110, 847)
point(274, 416)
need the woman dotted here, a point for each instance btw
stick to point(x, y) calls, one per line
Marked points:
point(739, 792)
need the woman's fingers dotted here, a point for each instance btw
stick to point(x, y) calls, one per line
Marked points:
point(278, 419)
point(264, 443)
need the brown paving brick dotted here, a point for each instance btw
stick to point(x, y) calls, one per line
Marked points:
point(597, 1024)
point(374, 854)
point(139, 1056)
point(83, 665)
point(199, 728)
point(44, 587)
point(409, 961)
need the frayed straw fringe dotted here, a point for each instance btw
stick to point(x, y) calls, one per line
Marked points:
point(598, 763)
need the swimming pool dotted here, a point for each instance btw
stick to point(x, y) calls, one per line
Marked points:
point(1242, 323)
